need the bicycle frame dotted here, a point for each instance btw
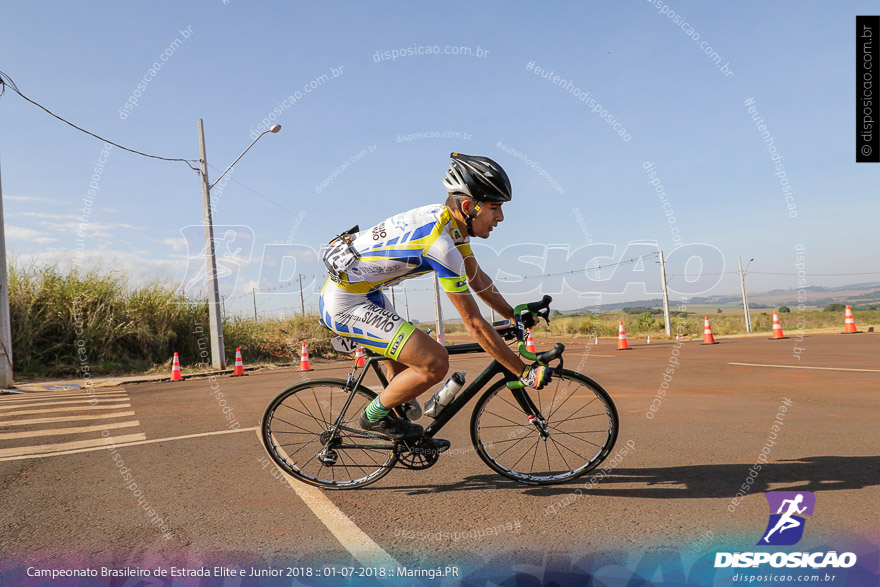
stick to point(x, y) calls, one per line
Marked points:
point(464, 396)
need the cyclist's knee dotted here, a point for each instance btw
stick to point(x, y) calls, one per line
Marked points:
point(437, 365)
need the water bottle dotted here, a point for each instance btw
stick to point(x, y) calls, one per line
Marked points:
point(445, 394)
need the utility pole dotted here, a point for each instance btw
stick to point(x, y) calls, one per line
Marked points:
point(666, 320)
point(218, 351)
point(302, 301)
point(5, 326)
point(254, 293)
point(406, 303)
point(393, 301)
point(438, 311)
point(746, 314)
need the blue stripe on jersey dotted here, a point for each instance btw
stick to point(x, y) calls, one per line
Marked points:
point(357, 330)
point(423, 231)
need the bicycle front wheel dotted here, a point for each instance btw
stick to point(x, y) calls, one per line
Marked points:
point(298, 433)
point(580, 429)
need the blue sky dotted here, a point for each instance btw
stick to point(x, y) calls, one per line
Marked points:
point(342, 157)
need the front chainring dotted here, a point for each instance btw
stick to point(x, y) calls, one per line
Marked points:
point(417, 454)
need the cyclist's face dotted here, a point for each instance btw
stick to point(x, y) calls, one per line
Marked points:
point(489, 216)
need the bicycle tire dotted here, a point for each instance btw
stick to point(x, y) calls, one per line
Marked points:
point(273, 429)
point(503, 409)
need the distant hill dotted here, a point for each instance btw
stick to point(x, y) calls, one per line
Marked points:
point(856, 295)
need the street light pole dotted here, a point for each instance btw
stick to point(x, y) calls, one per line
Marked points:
point(215, 320)
point(215, 323)
point(6, 374)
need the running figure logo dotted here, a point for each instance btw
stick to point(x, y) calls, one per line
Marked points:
point(786, 526)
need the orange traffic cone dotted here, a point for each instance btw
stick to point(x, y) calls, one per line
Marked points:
point(530, 343)
point(596, 341)
point(239, 364)
point(708, 338)
point(175, 369)
point(304, 360)
point(359, 358)
point(621, 339)
point(649, 340)
point(440, 340)
point(849, 322)
point(777, 328)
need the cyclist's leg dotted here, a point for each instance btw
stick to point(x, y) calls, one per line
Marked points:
point(428, 364)
point(371, 321)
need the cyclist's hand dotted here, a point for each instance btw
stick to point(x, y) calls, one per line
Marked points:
point(536, 376)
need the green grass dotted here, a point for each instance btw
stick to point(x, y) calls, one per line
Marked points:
point(68, 322)
point(72, 322)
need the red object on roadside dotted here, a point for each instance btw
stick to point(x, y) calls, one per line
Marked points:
point(175, 369)
point(304, 360)
point(708, 338)
point(622, 345)
point(239, 364)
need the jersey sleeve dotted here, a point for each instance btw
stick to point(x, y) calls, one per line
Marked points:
point(446, 259)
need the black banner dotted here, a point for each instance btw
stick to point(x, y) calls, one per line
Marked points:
point(867, 131)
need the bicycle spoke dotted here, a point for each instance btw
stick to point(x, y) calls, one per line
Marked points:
point(582, 440)
point(577, 410)
point(307, 409)
point(320, 411)
point(547, 452)
point(524, 454)
point(294, 425)
point(573, 436)
point(578, 455)
point(560, 454)
point(503, 418)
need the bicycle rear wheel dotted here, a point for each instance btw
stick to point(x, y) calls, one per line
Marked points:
point(296, 432)
point(581, 427)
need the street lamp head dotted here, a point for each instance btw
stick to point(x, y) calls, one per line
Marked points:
point(275, 128)
point(750, 260)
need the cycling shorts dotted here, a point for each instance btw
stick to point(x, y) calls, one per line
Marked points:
point(368, 319)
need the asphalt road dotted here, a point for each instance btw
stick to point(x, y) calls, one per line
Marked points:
point(209, 496)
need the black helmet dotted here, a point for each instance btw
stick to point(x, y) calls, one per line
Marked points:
point(477, 177)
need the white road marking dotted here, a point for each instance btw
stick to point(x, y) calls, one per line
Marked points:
point(35, 451)
point(80, 409)
point(803, 367)
point(61, 403)
point(31, 396)
point(352, 538)
point(75, 430)
point(116, 441)
point(4, 423)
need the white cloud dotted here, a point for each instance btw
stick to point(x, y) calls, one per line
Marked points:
point(30, 199)
point(176, 244)
point(20, 233)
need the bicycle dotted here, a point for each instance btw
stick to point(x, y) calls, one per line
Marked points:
point(329, 450)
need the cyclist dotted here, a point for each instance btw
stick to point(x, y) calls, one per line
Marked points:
point(429, 238)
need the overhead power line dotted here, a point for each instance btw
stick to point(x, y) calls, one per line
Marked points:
point(5, 81)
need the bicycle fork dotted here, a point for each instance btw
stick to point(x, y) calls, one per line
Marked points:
point(531, 410)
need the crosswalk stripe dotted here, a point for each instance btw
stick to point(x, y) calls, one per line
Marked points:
point(32, 397)
point(62, 403)
point(75, 430)
point(79, 409)
point(116, 441)
point(49, 448)
point(5, 423)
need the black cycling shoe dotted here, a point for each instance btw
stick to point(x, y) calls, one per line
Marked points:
point(391, 426)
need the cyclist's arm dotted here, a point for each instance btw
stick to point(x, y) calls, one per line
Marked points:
point(485, 334)
point(482, 284)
